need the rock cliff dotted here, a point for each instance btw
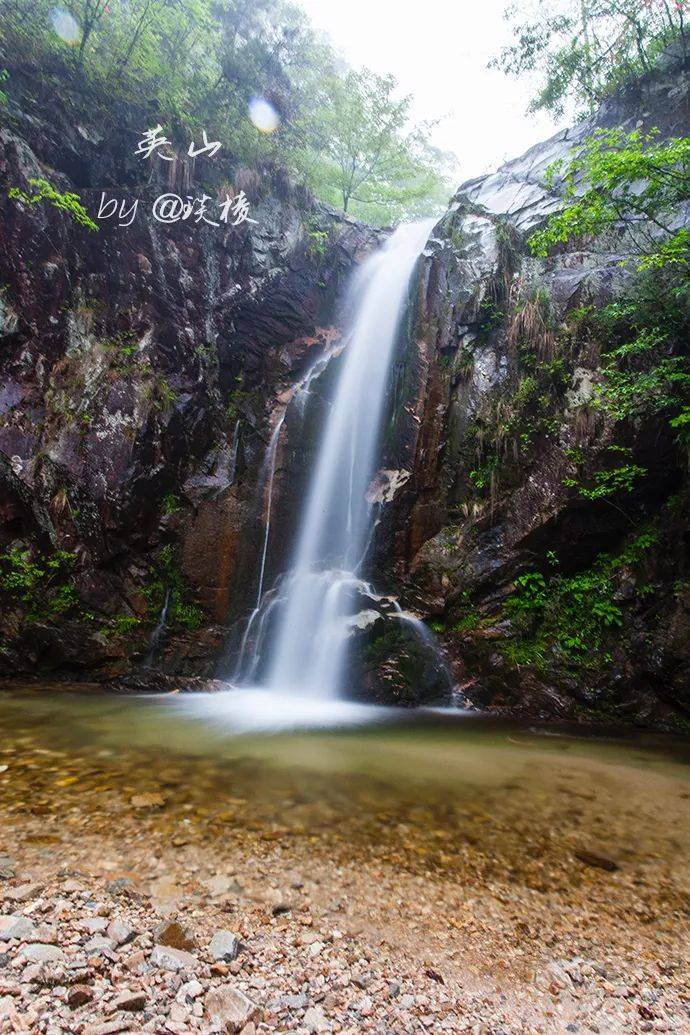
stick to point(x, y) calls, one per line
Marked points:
point(139, 369)
point(548, 599)
point(144, 368)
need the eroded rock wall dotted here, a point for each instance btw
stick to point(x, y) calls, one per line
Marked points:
point(508, 425)
point(139, 370)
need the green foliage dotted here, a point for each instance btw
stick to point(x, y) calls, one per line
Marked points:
point(4, 76)
point(169, 581)
point(682, 423)
point(573, 615)
point(366, 158)
point(466, 615)
point(41, 584)
point(641, 377)
point(468, 621)
point(317, 240)
point(69, 203)
point(529, 595)
point(200, 63)
point(584, 49)
point(491, 315)
point(238, 401)
point(634, 182)
point(631, 180)
point(121, 625)
point(170, 503)
point(482, 477)
point(609, 483)
point(189, 616)
point(508, 427)
point(634, 392)
point(162, 394)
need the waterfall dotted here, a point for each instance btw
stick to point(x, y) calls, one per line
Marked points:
point(309, 626)
point(157, 634)
point(234, 446)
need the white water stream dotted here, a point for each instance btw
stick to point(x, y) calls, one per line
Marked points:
point(309, 617)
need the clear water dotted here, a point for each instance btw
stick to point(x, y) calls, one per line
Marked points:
point(423, 786)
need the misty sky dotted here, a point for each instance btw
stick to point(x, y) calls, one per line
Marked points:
point(438, 50)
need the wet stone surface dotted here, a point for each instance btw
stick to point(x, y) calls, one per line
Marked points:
point(160, 875)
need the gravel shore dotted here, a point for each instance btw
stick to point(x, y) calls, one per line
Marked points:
point(170, 894)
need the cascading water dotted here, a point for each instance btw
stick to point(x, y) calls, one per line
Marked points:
point(309, 625)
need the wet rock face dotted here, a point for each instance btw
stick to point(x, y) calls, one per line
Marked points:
point(393, 658)
point(139, 367)
point(491, 443)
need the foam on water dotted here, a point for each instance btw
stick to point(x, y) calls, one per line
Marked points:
point(249, 709)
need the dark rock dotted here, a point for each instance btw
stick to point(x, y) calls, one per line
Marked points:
point(79, 995)
point(122, 359)
point(129, 1001)
point(600, 862)
point(172, 933)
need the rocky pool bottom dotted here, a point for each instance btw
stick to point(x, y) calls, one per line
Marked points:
point(427, 873)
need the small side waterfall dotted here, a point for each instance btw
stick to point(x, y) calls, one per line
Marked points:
point(309, 614)
point(157, 634)
point(234, 447)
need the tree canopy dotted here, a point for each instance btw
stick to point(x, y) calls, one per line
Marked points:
point(634, 185)
point(580, 50)
point(346, 133)
point(632, 181)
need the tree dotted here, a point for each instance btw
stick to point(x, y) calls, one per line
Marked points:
point(88, 14)
point(201, 63)
point(630, 181)
point(582, 49)
point(635, 184)
point(365, 151)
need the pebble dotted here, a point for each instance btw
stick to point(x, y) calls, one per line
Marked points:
point(7, 870)
point(190, 990)
point(172, 933)
point(100, 943)
point(22, 893)
point(168, 958)
point(544, 944)
point(36, 952)
point(78, 995)
point(225, 945)
point(16, 926)
point(315, 1021)
point(110, 1028)
point(130, 1001)
point(121, 932)
point(7, 1006)
point(230, 1007)
point(294, 1002)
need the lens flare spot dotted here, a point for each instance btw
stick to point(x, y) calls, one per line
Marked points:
point(263, 115)
point(65, 26)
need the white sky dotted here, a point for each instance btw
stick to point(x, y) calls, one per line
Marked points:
point(438, 51)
